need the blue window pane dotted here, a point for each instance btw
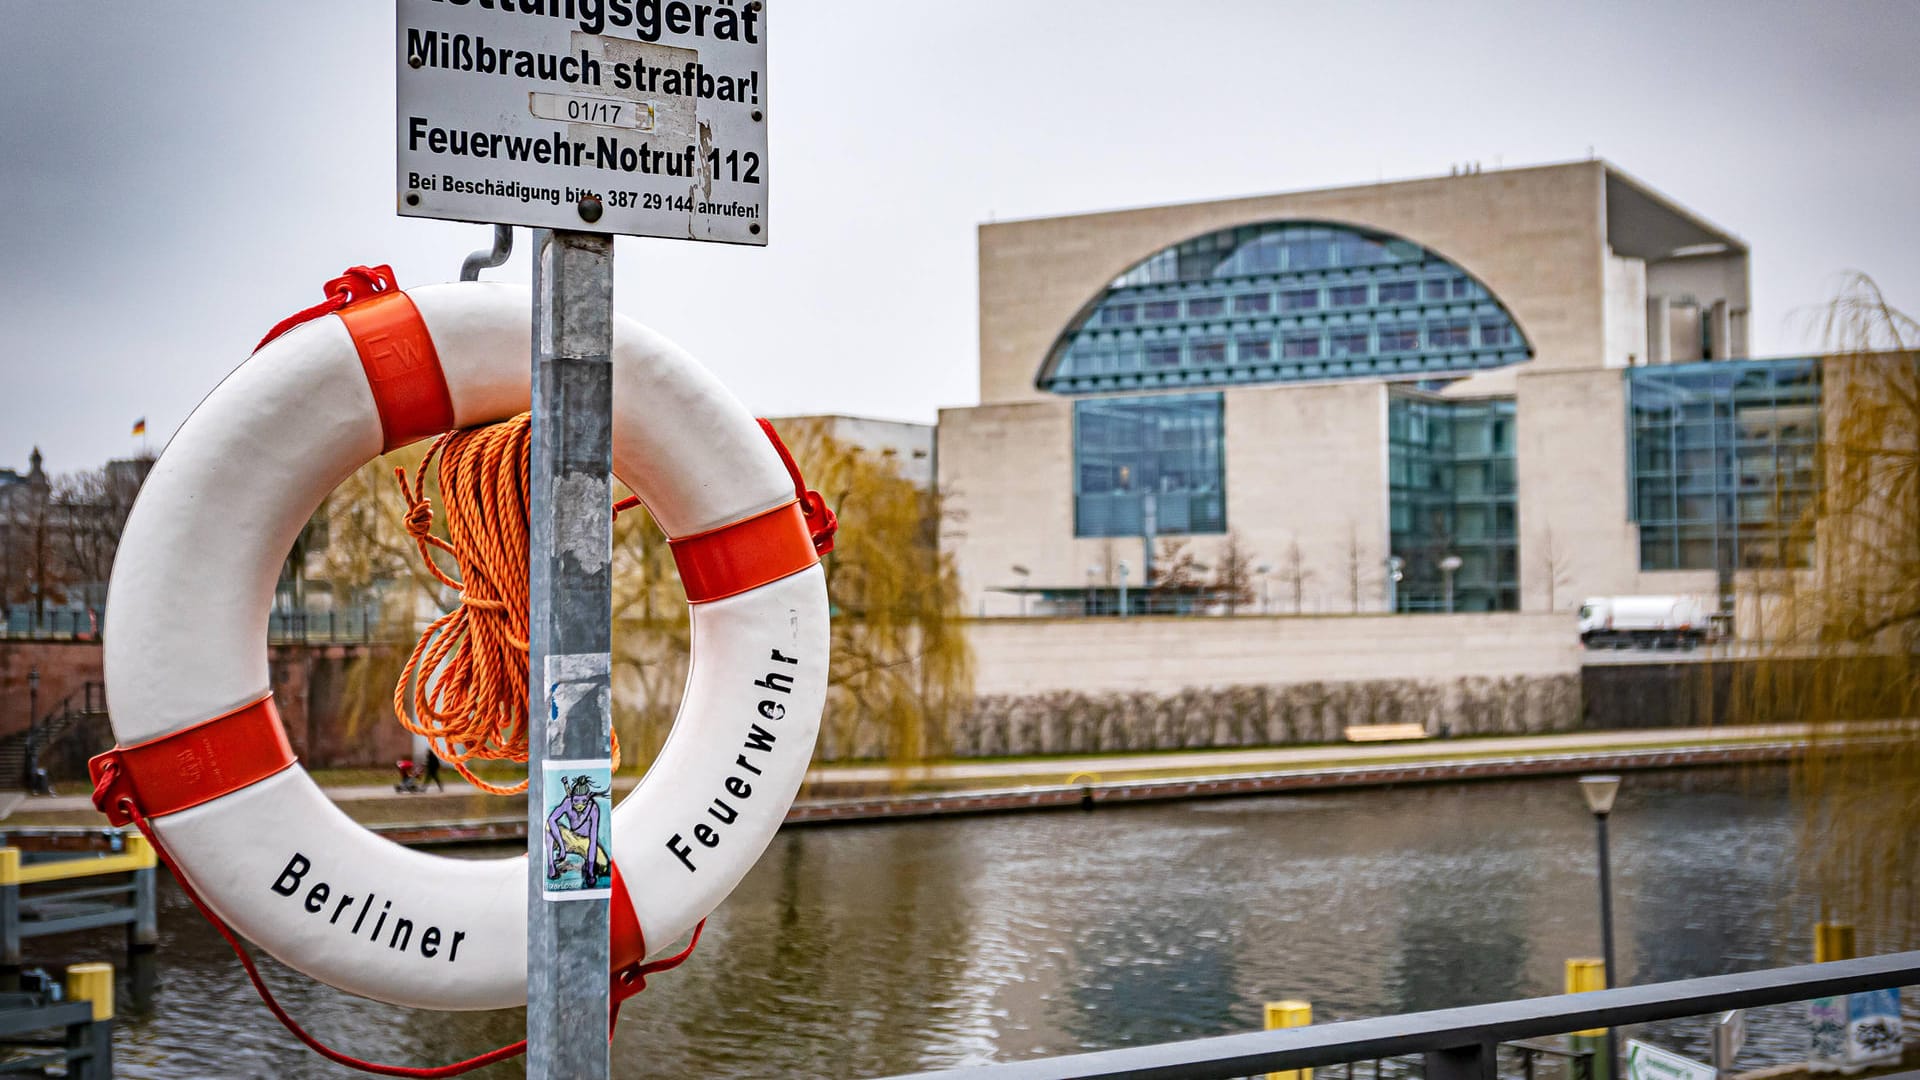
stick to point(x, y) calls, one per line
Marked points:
point(1722, 464)
point(1449, 336)
point(1399, 338)
point(1209, 352)
point(1299, 299)
point(1253, 350)
point(1341, 296)
point(1163, 356)
point(1347, 343)
point(1162, 309)
point(1119, 315)
point(1300, 346)
point(1205, 307)
point(1253, 303)
point(1399, 292)
point(1496, 332)
point(1165, 449)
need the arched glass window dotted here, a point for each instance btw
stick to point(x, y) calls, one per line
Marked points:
point(1283, 302)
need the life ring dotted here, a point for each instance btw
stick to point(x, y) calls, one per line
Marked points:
point(201, 749)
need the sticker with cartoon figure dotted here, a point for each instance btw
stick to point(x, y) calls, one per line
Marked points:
point(578, 797)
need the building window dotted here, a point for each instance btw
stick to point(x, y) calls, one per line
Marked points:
point(1163, 356)
point(1451, 491)
point(1344, 296)
point(1721, 463)
point(1182, 293)
point(1157, 458)
point(1347, 343)
point(1206, 307)
point(1209, 353)
point(1254, 350)
point(1396, 339)
point(1299, 299)
point(1300, 346)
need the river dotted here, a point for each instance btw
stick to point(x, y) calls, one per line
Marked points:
point(866, 950)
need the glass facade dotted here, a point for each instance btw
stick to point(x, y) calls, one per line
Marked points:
point(1722, 462)
point(1283, 302)
point(1452, 488)
point(1161, 454)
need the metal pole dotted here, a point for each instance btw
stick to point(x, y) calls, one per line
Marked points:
point(1606, 939)
point(570, 707)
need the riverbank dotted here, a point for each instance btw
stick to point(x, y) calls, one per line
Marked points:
point(853, 793)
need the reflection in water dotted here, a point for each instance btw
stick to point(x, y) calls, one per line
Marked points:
point(867, 950)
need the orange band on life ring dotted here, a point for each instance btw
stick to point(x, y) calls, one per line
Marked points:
point(403, 367)
point(745, 555)
point(195, 765)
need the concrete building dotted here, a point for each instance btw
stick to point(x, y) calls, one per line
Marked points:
point(908, 445)
point(1513, 389)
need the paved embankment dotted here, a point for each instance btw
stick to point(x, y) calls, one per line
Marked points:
point(461, 816)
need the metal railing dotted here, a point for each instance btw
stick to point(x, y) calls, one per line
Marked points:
point(1456, 1044)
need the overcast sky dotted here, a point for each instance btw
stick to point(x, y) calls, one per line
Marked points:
point(181, 175)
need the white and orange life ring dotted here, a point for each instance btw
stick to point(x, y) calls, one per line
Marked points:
point(202, 752)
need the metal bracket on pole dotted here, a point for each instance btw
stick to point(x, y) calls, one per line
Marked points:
point(569, 716)
point(483, 260)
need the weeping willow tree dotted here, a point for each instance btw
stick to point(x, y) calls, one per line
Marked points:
point(1843, 623)
point(902, 669)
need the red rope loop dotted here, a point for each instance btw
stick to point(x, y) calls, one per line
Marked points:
point(357, 284)
point(821, 522)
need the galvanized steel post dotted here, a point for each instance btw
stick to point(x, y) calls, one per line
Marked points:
point(570, 572)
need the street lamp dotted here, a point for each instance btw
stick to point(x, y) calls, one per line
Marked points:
point(1093, 575)
point(1599, 792)
point(1396, 570)
point(1123, 588)
point(1026, 576)
point(1447, 566)
point(1263, 570)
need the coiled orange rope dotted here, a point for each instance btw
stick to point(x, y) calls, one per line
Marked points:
point(469, 669)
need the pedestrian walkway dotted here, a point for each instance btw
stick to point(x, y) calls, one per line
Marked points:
point(381, 803)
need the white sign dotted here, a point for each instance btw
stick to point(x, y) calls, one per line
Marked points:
point(636, 117)
point(1646, 1062)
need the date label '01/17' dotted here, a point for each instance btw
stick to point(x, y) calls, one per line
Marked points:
point(604, 112)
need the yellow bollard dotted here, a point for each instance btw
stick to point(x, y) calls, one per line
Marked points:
point(1586, 973)
point(9, 866)
point(92, 982)
point(1289, 1014)
point(1832, 941)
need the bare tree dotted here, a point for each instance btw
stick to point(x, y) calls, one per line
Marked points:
point(1356, 567)
point(1233, 574)
point(1556, 567)
point(1293, 571)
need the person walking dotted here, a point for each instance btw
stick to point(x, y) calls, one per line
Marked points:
point(433, 771)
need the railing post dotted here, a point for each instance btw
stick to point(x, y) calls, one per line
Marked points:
point(1474, 1062)
point(92, 1043)
point(10, 913)
point(143, 933)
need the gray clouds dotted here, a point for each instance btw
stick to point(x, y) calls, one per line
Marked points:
point(181, 175)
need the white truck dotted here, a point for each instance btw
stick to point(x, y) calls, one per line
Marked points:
point(1645, 622)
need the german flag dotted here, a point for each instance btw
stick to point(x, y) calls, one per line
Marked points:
point(140, 426)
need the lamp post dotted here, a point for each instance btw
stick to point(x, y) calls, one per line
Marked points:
point(1026, 576)
point(1123, 588)
point(1093, 575)
point(1599, 792)
point(1447, 566)
point(1263, 570)
point(1396, 569)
